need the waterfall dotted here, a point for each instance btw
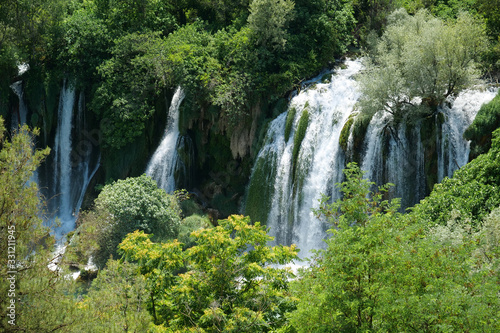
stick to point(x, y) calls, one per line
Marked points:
point(290, 174)
point(396, 154)
point(75, 161)
point(62, 154)
point(19, 118)
point(163, 164)
point(287, 180)
point(453, 150)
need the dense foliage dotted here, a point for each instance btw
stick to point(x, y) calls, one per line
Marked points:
point(435, 268)
point(135, 203)
point(34, 297)
point(383, 272)
point(227, 284)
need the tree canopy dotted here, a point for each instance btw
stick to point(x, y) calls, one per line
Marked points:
point(419, 61)
point(227, 282)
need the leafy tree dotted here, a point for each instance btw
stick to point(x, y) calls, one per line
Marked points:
point(268, 21)
point(85, 43)
point(227, 281)
point(116, 301)
point(490, 9)
point(419, 61)
point(341, 289)
point(387, 272)
point(125, 98)
point(40, 299)
point(122, 207)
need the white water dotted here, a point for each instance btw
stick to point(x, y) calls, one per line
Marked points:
point(453, 150)
point(62, 154)
point(402, 160)
point(19, 118)
point(319, 164)
point(162, 165)
point(390, 154)
point(74, 163)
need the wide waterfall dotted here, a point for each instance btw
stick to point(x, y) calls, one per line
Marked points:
point(163, 164)
point(301, 157)
point(291, 173)
point(73, 163)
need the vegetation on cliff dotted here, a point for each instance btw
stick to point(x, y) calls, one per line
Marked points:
point(167, 269)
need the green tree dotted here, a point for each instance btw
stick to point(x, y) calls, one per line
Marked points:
point(341, 289)
point(135, 203)
point(116, 301)
point(40, 299)
point(130, 83)
point(227, 281)
point(383, 271)
point(268, 21)
point(84, 44)
point(419, 61)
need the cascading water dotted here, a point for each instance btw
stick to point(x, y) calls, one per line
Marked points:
point(453, 150)
point(62, 154)
point(289, 174)
point(75, 161)
point(397, 154)
point(301, 171)
point(163, 164)
point(19, 118)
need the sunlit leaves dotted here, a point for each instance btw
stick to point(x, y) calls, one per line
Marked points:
point(226, 283)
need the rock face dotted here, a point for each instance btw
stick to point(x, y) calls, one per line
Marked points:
point(244, 136)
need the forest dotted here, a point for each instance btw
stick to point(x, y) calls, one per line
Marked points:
point(250, 166)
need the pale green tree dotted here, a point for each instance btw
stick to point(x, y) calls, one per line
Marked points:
point(419, 61)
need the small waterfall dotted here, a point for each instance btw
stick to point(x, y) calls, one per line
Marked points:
point(373, 161)
point(453, 150)
point(74, 162)
point(287, 179)
point(19, 118)
point(62, 157)
point(163, 164)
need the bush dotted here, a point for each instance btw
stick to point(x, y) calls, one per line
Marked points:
point(190, 224)
point(122, 207)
